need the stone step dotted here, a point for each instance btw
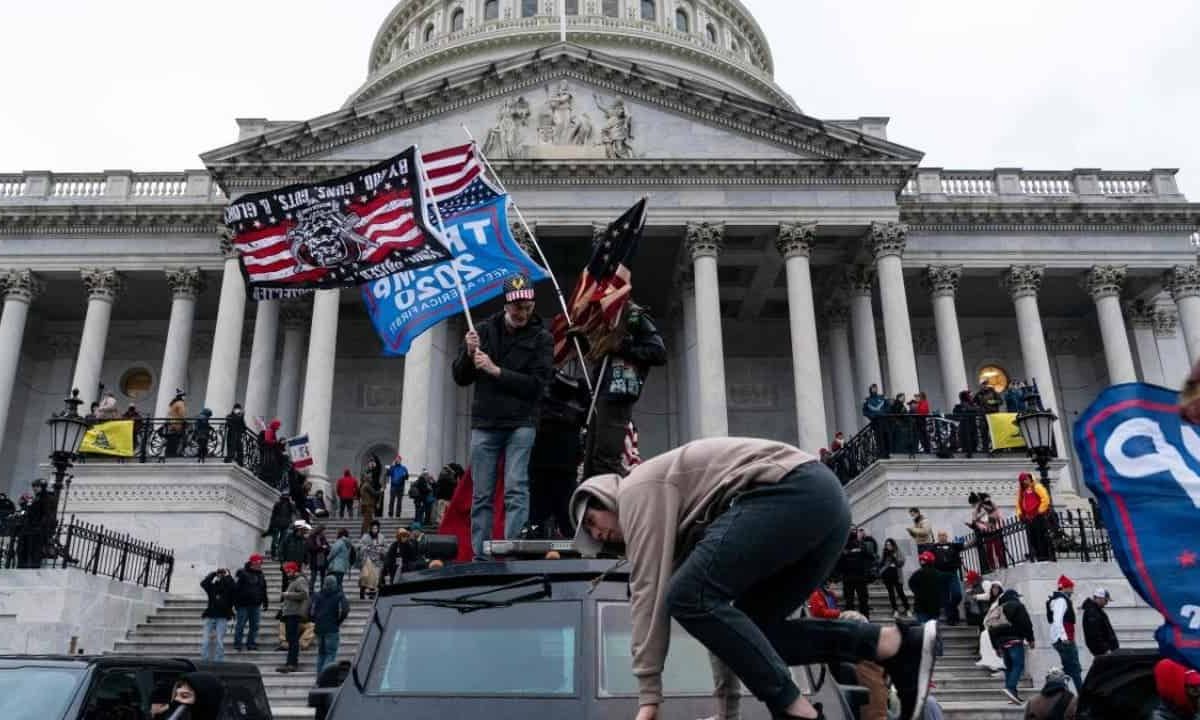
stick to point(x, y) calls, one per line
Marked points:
point(979, 710)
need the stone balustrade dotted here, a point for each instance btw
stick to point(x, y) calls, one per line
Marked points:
point(119, 185)
point(1010, 183)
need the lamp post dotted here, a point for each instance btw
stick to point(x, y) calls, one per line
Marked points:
point(66, 432)
point(1037, 429)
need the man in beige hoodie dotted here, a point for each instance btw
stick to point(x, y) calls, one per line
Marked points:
point(729, 536)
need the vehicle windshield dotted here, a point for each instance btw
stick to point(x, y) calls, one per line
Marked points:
point(524, 650)
point(687, 670)
point(36, 693)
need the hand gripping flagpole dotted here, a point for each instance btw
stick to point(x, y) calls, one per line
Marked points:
point(441, 233)
point(562, 301)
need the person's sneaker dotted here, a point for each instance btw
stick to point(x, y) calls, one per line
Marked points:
point(237, 648)
point(911, 669)
point(1013, 698)
point(784, 716)
point(281, 648)
point(251, 647)
point(285, 669)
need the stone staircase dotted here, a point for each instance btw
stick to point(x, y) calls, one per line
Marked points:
point(176, 629)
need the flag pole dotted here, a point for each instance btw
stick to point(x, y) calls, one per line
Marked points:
point(562, 301)
point(437, 211)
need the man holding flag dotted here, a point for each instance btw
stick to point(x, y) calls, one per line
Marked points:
point(509, 360)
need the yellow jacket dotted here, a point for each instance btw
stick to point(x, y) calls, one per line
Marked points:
point(1043, 500)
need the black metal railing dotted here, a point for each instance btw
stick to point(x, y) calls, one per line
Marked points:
point(1070, 535)
point(907, 436)
point(83, 546)
point(163, 439)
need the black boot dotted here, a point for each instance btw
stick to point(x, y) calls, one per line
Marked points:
point(785, 716)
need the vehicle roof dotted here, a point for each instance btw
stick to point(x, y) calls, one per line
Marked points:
point(230, 668)
point(506, 571)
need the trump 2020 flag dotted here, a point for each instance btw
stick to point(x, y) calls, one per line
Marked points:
point(485, 254)
point(299, 452)
point(337, 233)
point(1143, 464)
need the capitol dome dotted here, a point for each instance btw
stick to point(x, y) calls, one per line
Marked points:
point(717, 41)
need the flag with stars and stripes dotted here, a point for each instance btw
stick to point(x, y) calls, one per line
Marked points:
point(356, 228)
point(604, 287)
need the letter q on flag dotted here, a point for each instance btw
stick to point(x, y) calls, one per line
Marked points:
point(1142, 462)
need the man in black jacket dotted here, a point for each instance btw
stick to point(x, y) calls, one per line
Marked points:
point(1098, 632)
point(219, 587)
point(856, 566)
point(1009, 635)
point(235, 431)
point(638, 347)
point(509, 359)
point(250, 602)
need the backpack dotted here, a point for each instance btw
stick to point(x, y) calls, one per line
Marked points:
point(353, 555)
point(996, 619)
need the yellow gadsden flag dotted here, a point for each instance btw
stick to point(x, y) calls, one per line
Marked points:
point(114, 437)
point(1004, 431)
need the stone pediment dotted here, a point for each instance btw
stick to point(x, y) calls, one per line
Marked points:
point(561, 104)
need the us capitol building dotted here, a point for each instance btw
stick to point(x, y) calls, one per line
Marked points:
point(791, 261)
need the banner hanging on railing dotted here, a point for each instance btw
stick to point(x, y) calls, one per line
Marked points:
point(1004, 431)
point(1143, 464)
point(407, 304)
point(114, 438)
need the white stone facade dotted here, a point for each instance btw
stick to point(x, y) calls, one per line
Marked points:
point(790, 261)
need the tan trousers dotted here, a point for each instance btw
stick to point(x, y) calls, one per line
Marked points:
point(308, 635)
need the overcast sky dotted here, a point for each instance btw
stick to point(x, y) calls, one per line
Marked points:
point(1043, 84)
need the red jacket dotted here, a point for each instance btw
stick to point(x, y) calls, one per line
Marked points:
point(347, 487)
point(923, 407)
point(821, 607)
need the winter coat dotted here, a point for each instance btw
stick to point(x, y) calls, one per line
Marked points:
point(629, 365)
point(874, 405)
point(823, 605)
point(1020, 627)
point(988, 400)
point(220, 591)
point(347, 487)
point(250, 588)
point(293, 548)
point(177, 412)
point(339, 555)
point(368, 496)
point(371, 548)
point(202, 427)
point(402, 557)
point(948, 556)
point(525, 357)
point(856, 562)
point(283, 514)
point(317, 550)
point(1043, 501)
point(422, 488)
point(397, 476)
point(210, 693)
point(235, 426)
point(1042, 705)
point(329, 608)
point(921, 531)
point(295, 599)
point(446, 482)
point(926, 585)
point(1098, 631)
point(891, 562)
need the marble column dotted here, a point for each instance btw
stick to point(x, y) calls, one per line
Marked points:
point(186, 285)
point(845, 398)
point(318, 384)
point(262, 359)
point(867, 372)
point(888, 241)
point(704, 242)
point(691, 365)
point(103, 286)
point(1023, 283)
point(20, 287)
point(1103, 283)
point(1142, 316)
point(1171, 349)
point(227, 338)
point(295, 315)
point(942, 283)
point(421, 411)
point(1183, 282)
point(794, 242)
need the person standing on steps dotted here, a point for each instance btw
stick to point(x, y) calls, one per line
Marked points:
point(219, 587)
point(341, 554)
point(688, 520)
point(397, 475)
point(891, 565)
point(295, 608)
point(856, 566)
point(1098, 631)
point(921, 531)
point(368, 500)
point(1033, 507)
point(1011, 631)
point(926, 585)
point(347, 491)
point(283, 514)
point(370, 558)
point(293, 548)
point(509, 358)
point(330, 608)
point(421, 492)
point(317, 546)
point(250, 602)
point(1060, 613)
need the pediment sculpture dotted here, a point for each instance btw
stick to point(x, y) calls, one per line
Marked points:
point(559, 128)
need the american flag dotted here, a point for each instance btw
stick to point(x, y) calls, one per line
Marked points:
point(631, 457)
point(328, 234)
point(605, 285)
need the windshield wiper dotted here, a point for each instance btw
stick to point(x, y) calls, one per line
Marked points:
point(472, 602)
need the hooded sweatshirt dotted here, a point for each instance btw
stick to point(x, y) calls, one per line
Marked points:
point(660, 504)
point(209, 694)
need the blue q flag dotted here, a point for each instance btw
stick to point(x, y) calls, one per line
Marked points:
point(1142, 461)
point(484, 253)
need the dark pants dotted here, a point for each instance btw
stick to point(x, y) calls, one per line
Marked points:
point(883, 436)
point(396, 501)
point(895, 589)
point(234, 451)
point(316, 576)
point(345, 507)
point(291, 630)
point(606, 441)
point(951, 597)
point(422, 511)
point(1068, 652)
point(968, 434)
point(757, 564)
point(550, 489)
point(1038, 532)
point(852, 587)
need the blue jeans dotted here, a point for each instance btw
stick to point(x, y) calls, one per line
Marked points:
point(254, 615)
point(1014, 665)
point(486, 448)
point(212, 648)
point(951, 597)
point(327, 649)
point(1068, 652)
point(740, 610)
point(339, 577)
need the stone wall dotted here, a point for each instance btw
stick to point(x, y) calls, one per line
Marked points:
point(42, 610)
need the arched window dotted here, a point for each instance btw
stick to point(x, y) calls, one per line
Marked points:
point(681, 22)
point(711, 32)
point(529, 8)
point(612, 8)
point(735, 45)
point(572, 7)
point(648, 10)
point(491, 10)
point(428, 34)
point(457, 19)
